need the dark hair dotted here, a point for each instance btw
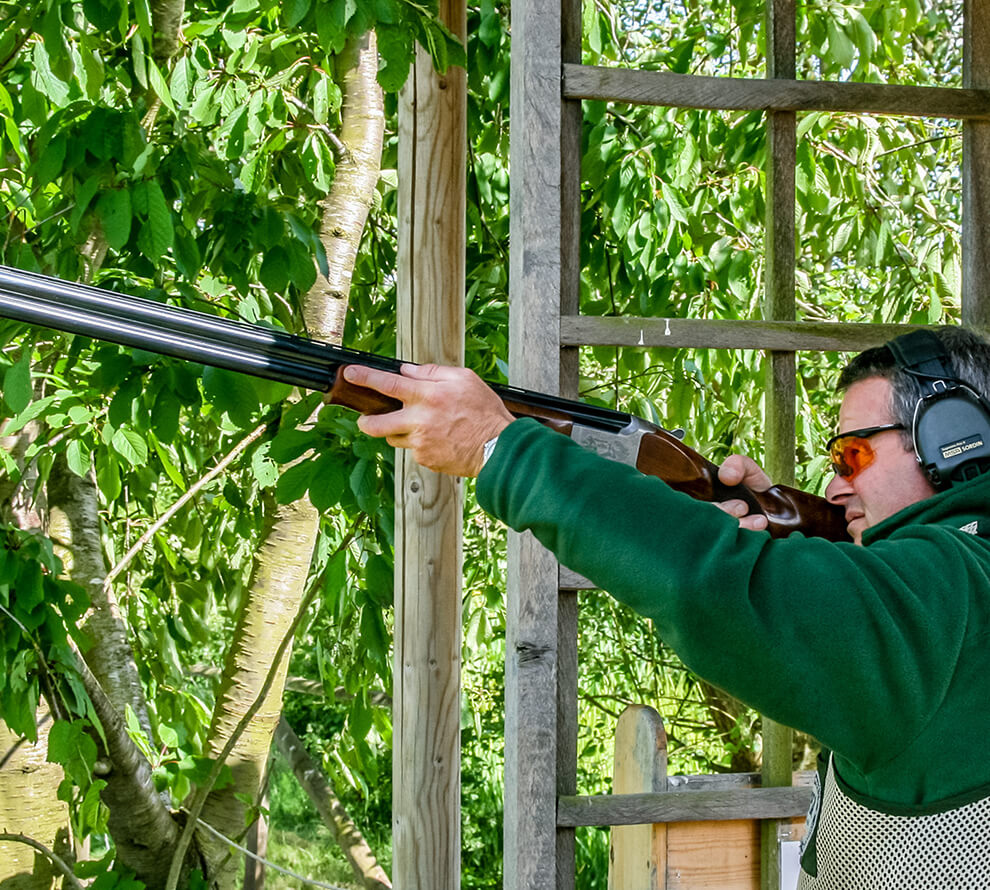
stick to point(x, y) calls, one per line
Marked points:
point(968, 359)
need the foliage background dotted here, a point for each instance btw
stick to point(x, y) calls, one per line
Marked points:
point(204, 178)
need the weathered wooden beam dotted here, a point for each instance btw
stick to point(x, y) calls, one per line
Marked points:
point(779, 304)
point(728, 93)
point(976, 171)
point(689, 806)
point(694, 333)
point(638, 857)
point(537, 140)
point(429, 507)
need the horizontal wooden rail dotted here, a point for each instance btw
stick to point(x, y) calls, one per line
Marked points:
point(686, 806)
point(736, 93)
point(785, 336)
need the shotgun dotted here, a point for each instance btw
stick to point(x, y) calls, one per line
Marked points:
point(235, 345)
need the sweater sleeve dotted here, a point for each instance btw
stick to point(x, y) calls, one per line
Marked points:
point(840, 641)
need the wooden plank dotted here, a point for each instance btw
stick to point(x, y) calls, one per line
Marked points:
point(713, 855)
point(680, 333)
point(530, 848)
point(976, 171)
point(737, 93)
point(426, 712)
point(567, 725)
point(568, 301)
point(692, 806)
point(638, 859)
point(779, 304)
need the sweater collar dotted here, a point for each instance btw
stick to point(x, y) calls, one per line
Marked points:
point(964, 507)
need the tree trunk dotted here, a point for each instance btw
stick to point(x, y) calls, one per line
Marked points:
point(281, 568)
point(74, 527)
point(270, 606)
point(314, 782)
point(345, 210)
point(28, 806)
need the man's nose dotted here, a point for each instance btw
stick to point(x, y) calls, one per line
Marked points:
point(838, 489)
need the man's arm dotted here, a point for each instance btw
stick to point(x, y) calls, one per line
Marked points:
point(449, 414)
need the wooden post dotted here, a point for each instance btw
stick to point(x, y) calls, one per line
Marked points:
point(542, 268)
point(426, 710)
point(639, 852)
point(779, 304)
point(976, 171)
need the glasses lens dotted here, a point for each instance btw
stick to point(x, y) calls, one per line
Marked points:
point(850, 455)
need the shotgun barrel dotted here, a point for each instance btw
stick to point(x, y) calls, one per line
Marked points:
point(233, 344)
point(278, 355)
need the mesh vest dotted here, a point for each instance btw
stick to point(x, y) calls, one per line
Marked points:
point(851, 846)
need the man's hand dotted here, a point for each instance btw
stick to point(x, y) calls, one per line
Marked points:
point(737, 469)
point(447, 414)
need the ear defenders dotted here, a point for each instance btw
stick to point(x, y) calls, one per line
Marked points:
point(951, 427)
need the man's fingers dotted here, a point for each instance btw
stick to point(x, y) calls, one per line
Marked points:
point(733, 508)
point(395, 385)
point(391, 425)
point(741, 470)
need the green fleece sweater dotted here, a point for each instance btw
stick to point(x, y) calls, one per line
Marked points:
point(882, 651)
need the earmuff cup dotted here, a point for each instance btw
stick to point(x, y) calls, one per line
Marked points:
point(951, 433)
point(951, 428)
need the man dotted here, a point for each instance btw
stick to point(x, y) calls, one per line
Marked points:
point(879, 648)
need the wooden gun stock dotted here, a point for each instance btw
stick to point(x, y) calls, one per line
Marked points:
point(659, 454)
point(278, 355)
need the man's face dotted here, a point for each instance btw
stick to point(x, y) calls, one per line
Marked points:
point(894, 480)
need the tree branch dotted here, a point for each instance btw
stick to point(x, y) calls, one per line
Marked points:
point(194, 489)
point(50, 855)
point(347, 835)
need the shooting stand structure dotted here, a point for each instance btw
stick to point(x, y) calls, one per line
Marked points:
point(546, 330)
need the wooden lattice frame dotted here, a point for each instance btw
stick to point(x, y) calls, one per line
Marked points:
point(546, 328)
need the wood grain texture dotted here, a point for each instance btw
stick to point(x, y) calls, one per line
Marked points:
point(538, 255)
point(679, 333)
point(638, 859)
point(426, 714)
point(690, 806)
point(976, 171)
point(726, 93)
point(780, 367)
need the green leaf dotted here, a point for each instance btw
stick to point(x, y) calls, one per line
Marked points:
point(840, 47)
point(156, 235)
point(294, 482)
point(51, 160)
point(114, 210)
point(274, 272)
point(79, 457)
point(364, 484)
point(30, 589)
point(107, 475)
point(159, 86)
point(329, 481)
point(35, 409)
point(263, 468)
point(231, 393)
point(17, 388)
point(291, 443)
point(130, 446)
point(71, 747)
point(490, 30)
point(44, 79)
point(396, 52)
point(165, 416)
point(294, 11)
point(104, 14)
point(93, 816)
point(168, 465)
